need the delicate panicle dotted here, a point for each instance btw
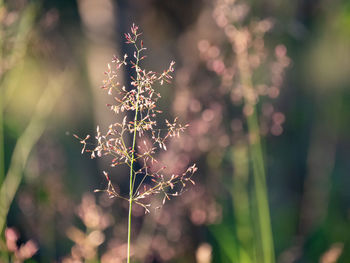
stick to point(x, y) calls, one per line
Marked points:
point(139, 105)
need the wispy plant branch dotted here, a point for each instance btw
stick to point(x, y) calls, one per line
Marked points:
point(147, 137)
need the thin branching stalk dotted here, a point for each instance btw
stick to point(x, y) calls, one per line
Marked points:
point(147, 139)
point(131, 179)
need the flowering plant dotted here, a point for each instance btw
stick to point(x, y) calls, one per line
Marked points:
point(139, 103)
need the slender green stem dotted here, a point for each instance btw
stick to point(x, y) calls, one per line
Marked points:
point(131, 180)
point(129, 229)
point(132, 173)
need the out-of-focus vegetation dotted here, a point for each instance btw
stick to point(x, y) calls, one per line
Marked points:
point(264, 86)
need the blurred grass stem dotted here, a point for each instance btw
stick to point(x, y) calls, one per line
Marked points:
point(2, 92)
point(240, 199)
point(6, 64)
point(2, 141)
point(256, 153)
point(17, 52)
point(24, 145)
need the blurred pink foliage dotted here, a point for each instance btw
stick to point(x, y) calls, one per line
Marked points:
point(22, 252)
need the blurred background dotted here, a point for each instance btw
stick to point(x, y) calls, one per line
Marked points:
point(264, 86)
